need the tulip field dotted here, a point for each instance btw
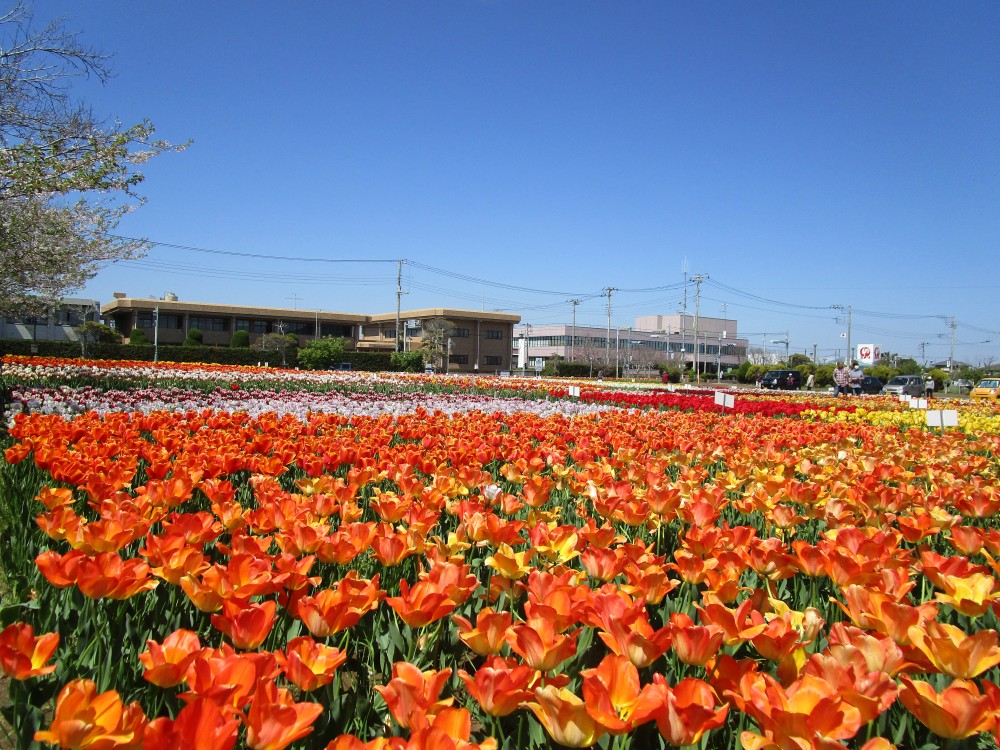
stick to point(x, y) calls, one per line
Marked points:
point(200, 556)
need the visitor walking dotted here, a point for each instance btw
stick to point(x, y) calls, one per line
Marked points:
point(841, 379)
point(857, 375)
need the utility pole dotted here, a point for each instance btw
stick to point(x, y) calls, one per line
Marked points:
point(156, 333)
point(608, 291)
point(953, 324)
point(697, 279)
point(399, 298)
point(572, 343)
point(850, 354)
point(923, 351)
point(814, 353)
point(295, 300)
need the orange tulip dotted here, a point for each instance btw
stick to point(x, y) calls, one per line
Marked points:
point(488, 635)
point(625, 629)
point(611, 692)
point(694, 644)
point(957, 712)
point(510, 564)
point(22, 655)
point(105, 575)
point(167, 664)
point(953, 651)
point(83, 718)
point(435, 595)
point(539, 644)
point(683, 713)
point(339, 608)
point(308, 664)
point(971, 595)
point(413, 696)
point(247, 624)
point(500, 685)
point(565, 717)
point(878, 651)
point(200, 725)
point(275, 720)
point(227, 678)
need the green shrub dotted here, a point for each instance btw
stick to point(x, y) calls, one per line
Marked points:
point(193, 338)
point(138, 338)
point(407, 361)
point(323, 354)
point(240, 340)
point(824, 375)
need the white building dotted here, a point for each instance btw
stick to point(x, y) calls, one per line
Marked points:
point(652, 340)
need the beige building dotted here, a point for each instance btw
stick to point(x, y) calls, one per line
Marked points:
point(479, 341)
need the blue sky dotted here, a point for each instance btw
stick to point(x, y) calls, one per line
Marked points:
point(801, 155)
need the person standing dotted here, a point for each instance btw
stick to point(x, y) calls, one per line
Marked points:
point(841, 379)
point(928, 386)
point(810, 381)
point(856, 375)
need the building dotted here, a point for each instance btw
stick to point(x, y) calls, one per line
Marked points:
point(56, 324)
point(654, 339)
point(217, 323)
point(480, 341)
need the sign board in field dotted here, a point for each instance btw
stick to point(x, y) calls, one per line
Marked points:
point(942, 418)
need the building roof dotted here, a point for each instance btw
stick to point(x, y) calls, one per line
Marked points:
point(211, 308)
point(447, 312)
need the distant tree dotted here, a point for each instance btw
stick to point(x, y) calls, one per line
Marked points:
point(279, 343)
point(907, 366)
point(240, 340)
point(93, 332)
point(742, 370)
point(193, 338)
point(939, 376)
point(411, 361)
point(136, 337)
point(797, 360)
point(434, 340)
point(824, 375)
point(324, 353)
point(66, 178)
point(883, 372)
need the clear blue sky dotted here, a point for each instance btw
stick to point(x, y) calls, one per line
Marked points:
point(807, 154)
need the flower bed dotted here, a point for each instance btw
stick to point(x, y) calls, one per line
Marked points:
point(493, 577)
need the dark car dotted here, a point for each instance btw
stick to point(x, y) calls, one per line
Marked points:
point(784, 379)
point(871, 385)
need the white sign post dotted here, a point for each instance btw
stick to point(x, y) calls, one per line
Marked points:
point(724, 400)
point(942, 418)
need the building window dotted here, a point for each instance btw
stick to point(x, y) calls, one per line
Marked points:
point(242, 324)
point(388, 333)
point(207, 324)
point(336, 329)
point(493, 361)
point(459, 359)
point(460, 333)
point(145, 320)
point(492, 333)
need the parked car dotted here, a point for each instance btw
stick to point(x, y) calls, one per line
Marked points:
point(961, 385)
point(775, 379)
point(871, 385)
point(900, 385)
point(987, 390)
